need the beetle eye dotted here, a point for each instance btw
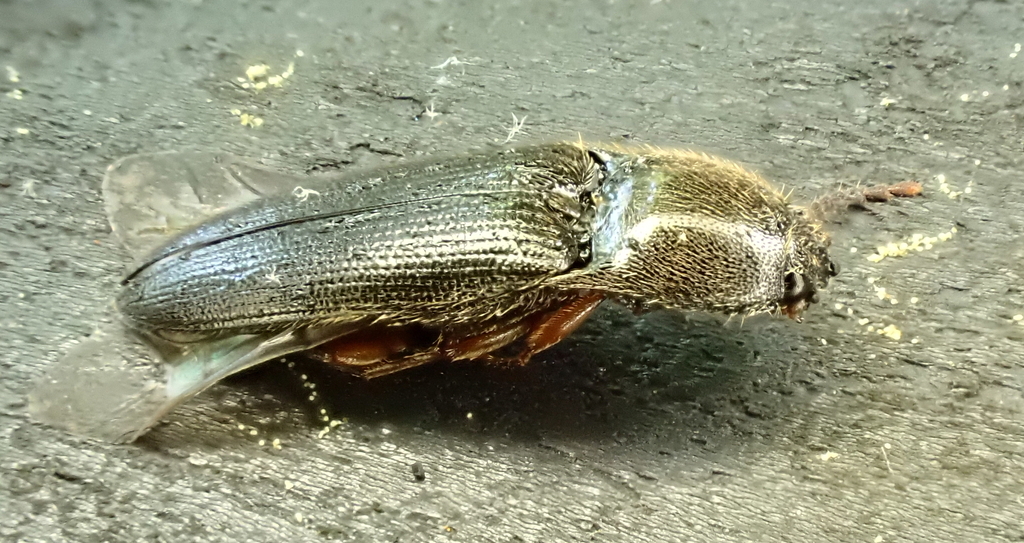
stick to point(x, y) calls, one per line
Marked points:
point(794, 285)
point(833, 269)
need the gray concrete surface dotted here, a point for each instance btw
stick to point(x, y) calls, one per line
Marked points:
point(665, 428)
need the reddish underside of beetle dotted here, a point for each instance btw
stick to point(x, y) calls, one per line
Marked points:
point(381, 350)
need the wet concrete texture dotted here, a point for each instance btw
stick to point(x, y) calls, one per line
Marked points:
point(670, 427)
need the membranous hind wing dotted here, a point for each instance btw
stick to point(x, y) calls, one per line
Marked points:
point(150, 198)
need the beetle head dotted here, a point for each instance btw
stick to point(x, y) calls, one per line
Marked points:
point(808, 265)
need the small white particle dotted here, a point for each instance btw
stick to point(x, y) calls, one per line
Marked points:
point(644, 229)
point(621, 257)
point(304, 194)
point(965, 97)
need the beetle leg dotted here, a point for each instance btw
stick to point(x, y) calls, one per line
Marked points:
point(479, 346)
point(556, 325)
point(367, 346)
point(379, 350)
point(387, 367)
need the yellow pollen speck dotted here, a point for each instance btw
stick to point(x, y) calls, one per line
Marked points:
point(256, 71)
point(886, 102)
point(1018, 318)
point(276, 444)
point(250, 120)
point(12, 74)
point(914, 243)
point(827, 456)
point(892, 332)
point(22, 131)
point(16, 94)
point(258, 77)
